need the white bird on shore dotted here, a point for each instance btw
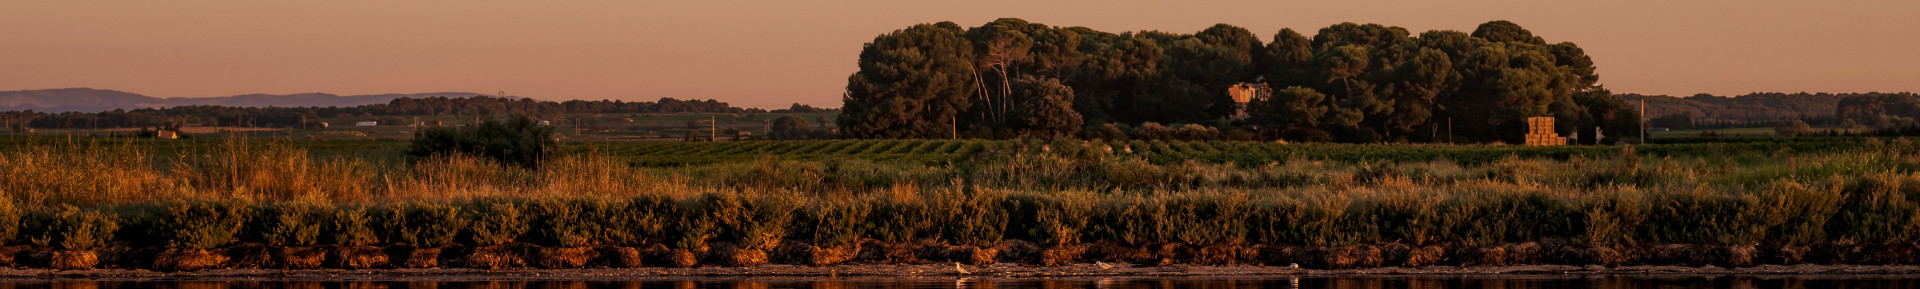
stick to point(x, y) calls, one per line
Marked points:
point(1103, 265)
point(962, 270)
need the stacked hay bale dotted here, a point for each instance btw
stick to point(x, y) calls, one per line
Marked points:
point(1540, 132)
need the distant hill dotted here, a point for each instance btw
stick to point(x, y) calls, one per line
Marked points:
point(96, 100)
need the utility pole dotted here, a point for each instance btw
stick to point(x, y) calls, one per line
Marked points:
point(713, 128)
point(1643, 120)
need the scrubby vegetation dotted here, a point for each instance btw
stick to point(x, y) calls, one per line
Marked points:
point(1040, 202)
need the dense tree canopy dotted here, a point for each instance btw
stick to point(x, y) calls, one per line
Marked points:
point(912, 83)
point(1347, 82)
point(1048, 107)
point(1879, 110)
point(789, 127)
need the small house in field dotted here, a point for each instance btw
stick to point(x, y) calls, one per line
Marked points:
point(1246, 92)
point(167, 134)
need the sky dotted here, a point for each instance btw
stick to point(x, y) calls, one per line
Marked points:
point(774, 53)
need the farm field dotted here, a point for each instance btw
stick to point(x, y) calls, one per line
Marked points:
point(572, 127)
point(596, 126)
point(941, 152)
point(1832, 200)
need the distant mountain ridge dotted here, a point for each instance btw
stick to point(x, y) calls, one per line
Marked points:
point(97, 100)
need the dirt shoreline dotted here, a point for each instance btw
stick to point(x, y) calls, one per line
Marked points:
point(935, 272)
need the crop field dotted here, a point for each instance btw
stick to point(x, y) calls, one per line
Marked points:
point(937, 152)
point(586, 126)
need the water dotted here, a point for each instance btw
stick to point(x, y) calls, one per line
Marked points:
point(1358, 282)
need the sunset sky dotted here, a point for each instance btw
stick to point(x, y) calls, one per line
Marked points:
point(773, 53)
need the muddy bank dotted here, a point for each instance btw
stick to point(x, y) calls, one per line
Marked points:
point(948, 271)
point(877, 256)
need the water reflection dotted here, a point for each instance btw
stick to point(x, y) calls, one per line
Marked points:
point(1364, 282)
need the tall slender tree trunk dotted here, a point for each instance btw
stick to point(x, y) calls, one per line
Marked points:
point(980, 85)
point(1007, 94)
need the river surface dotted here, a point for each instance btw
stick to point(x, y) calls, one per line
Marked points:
point(1360, 282)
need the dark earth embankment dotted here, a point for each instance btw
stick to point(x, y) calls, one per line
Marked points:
point(876, 255)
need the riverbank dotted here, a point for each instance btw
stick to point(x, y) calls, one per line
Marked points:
point(1009, 254)
point(947, 271)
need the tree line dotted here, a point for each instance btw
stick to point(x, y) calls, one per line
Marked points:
point(1836, 110)
point(207, 115)
point(1348, 82)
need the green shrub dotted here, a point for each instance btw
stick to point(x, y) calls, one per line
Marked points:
point(694, 224)
point(69, 228)
point(970, 218)
point(430, 224)
point(352, 227)
point(497, 222)
point(1704, 217)
point(898, 220)
point(199, 225)
point(603, 218)
point(1124, 219)
point(642, 220)
point(10, 217)
point(1402, 218)
point(566, 223)
point(1882, 208)
point(756, 220)
point(833, 223)
point(515, 141)
point(1800, 212)
point(1202, 218)
point(289, 223)
point(1313, 221)
point(1050, 219)
point(1611, 217)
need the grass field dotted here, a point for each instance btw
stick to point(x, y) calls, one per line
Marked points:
point(93, 193)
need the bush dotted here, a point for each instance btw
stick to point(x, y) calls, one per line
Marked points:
point(898, 219)
point(199, 225)
point(515, 141)
point(642, 220)
point(833, 223)
point(694, 224)
point(1879, 209)
point(1704, 217)
point(970, 218)
point(430, 225)
point(1050, 220)
point(10, 215)
point(497, 222)
point(565, 223)
point(756, 221)
point(352, 227)
point(70, 228)
point(290, 223)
